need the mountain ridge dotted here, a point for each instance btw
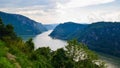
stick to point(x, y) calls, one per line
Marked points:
point(100, 36)
point(22, 24)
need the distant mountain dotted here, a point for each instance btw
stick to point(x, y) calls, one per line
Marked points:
point(64, 31)
point(101, 36)
point(22, 24)
point(50, 26)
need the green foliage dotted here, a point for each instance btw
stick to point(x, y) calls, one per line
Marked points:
point(1, 24)
point(44, 51)
point(10, 31)
point(41, 57)
point(5, 63)
point(30, 45)
point(99, 36)
point(14, 53)
point(76, 55)
point(79, 51)
point(42, 62)
point(1, 28)
point(81, 55)
point(6, 31)
point(59, 59)
point(3, 50)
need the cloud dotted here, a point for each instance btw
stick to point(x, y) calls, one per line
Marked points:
point(37, 13)
point(26, 3)
point(39, 10)
point(113, 16)
point(82, 3)
point(57, 11)
point(23, 3)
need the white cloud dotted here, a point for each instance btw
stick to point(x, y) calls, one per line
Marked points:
point(113, 16)
point(70, 10)
point(82, 3)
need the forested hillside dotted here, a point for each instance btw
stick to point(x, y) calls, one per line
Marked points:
point(64, 31)
point(100, 36)
point(23, 25)
point(14, 53)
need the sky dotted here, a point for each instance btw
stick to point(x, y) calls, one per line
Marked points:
point(59, 11)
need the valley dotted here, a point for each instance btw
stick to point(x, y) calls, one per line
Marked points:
point(43, 40)
point(59, 33)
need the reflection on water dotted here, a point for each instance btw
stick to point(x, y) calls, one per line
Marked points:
point(43, 40)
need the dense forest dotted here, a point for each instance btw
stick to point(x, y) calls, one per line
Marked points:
point(31, 27)
point(15, 53)
point(99, 36)
point(66, 30)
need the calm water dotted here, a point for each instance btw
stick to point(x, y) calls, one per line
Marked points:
point(43, 40)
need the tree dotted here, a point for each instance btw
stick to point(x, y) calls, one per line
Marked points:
point(1, 28)
point(30, 45)
point(10, 31)
point(60, 60)
point(44, 51)
point(1, 23)
point(82, 56)
point(75, 50)
point(6, 31)
point(41, 57)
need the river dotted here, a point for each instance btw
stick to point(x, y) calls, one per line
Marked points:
point(43, 40)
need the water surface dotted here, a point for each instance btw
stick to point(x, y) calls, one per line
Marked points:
point(43, 40)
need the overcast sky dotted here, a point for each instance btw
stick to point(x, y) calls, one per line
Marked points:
point(59, 11)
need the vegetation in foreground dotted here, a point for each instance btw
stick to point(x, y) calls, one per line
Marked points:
point(14, 53)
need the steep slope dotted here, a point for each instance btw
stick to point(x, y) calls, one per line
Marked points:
point(101, 36)
point(65, 30)
point(22, 24)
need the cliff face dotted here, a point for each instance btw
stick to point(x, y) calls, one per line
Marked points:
point(22, 24)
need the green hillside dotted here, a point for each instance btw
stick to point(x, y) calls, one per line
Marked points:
point(14, 53)
point(100, 36)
